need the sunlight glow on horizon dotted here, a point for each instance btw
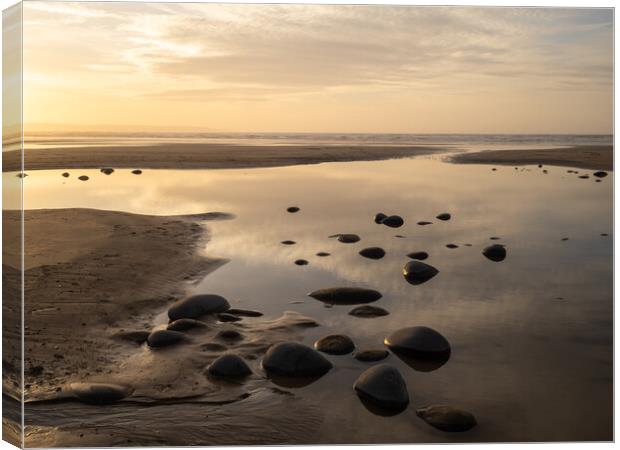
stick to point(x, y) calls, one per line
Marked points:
point(310, 68)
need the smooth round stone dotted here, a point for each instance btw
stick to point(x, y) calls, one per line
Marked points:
point(418, 341)
point(229, 366)
point(393, 221)
point(424, 222)
point(384, 386)
point(444, 216)
point(418, 255)
point(379, 217)
point(292, 359)
point(496, 252)
point(447, 418)
point(99, 393)
point(346, 295)
point(600, 174)
point(288, 242)
point(371, 355)
point(368, 311)
point(584, 177)
point(65, 174)
point(452, 246)
point(301, 262)
point(136, 171)
point(373, 253)
point(417, 272)
point(347, 238)
point(323, 254)
point(335, 344)
point(185, 324)
point(198, 305)
point(292, 209)
point(164, 338)
point(244, 312)
point(83, 178)
point(107, 170)
point(231, 335)
point(225, 317)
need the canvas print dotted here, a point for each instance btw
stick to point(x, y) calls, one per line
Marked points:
point(250, 224)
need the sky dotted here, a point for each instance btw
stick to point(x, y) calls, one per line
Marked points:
point(317, 68)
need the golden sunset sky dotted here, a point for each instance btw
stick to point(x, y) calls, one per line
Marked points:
point(262, 68)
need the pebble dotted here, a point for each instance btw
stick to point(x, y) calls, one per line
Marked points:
point(421, 256)
point(495, 252)
point(164, 338)
point(185, 324)
point(99, 393)
point(83, 178)
point(447, 418)
point(444, 216)
point(393, 221)
point(292, 209)
point(384, 386)
point(301, 262)
point(229, 366)
point(136, 171)
point(417, 272)
point(295, 360)
point(368, 311)
point(371, 355)
point(198, 305)
point(373, 252)
point(335, 344)
point(418, 341)
point(346, 295)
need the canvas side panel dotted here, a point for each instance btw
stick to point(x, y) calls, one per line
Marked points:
point(12, 221)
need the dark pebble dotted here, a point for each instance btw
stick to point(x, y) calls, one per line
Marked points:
point(418, 341)
point(244, 312)
point(229, 366)
point(65, 174)
point(164, 338)
point(346, 295)
point(198, 305)
point(99, 393)
point(346, 238)
point(225, 317)
point(444, 216)
point(447, 418)
point(83, 178)
point(379, 217)
point(185, 324)
point(418, 255)
point(423, 222)
point(335, 344)
point(417, 272)
point(323, 254)
point(384, 386)
point(584, 177)
point(107, 170)
point(452, 246)
point(495, 252)
point(295, 360)
point(301, 262)
point(393, 221)
point(371, 355)
point(288, 242)
point(368, 311)
point(136, 171)
point(292, 209)
point(600, 174)
point(373, 252)
point(229, 335)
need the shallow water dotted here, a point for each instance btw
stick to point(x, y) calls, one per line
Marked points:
point(531, 336)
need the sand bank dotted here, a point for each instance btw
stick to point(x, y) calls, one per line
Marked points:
point(595, 157)
point(201, 156)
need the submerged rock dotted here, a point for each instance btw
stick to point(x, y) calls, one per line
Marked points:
point(368, 311)
point(417, 272)
point(292, 359)
point(229, 335)
point(346, 238)
point(418, 255)
point(83, 178)
point(107, 170)
point(288, 242)
point(164, 338)
point(495, 252)
point(225, 317)
point(198, 305)
point(301, 262)
point(379, 217)
point(371, 355)
point(384, 386)
point(244, 312)
point(292, 209)
point(393, 221)
point(447, 418)
point(418, 341)
point(346, 295)
point(99, 393)
point(444, 216)
point(335, 344)
point(229, 366)
point(136, 171)
point(600, 174)
point(185, 324)
point(65, 174)
point(373, 252)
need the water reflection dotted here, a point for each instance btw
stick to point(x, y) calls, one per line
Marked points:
point(517, 351)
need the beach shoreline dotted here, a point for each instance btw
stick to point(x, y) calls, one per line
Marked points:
point(594, 157)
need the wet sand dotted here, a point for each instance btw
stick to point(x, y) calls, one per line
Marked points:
point(201, 156)
point(595, 157)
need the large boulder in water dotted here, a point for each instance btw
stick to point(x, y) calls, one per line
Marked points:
point(198, 305)
point(495, 252)
point(373, 252)
point(419, 342)
point(417, 272)
point(292, 359)
point(164, 338)
point(393, 221)
point(229, 366)
point(368, 311)
point(99, 393)
point(335, 344)
point(383, 386)
point(447, 418)
point(346, 295)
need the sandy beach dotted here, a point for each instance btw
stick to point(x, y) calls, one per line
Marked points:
point(201, 156)
point(595, 157)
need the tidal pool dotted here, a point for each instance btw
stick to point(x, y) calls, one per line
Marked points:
point(531, 336)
